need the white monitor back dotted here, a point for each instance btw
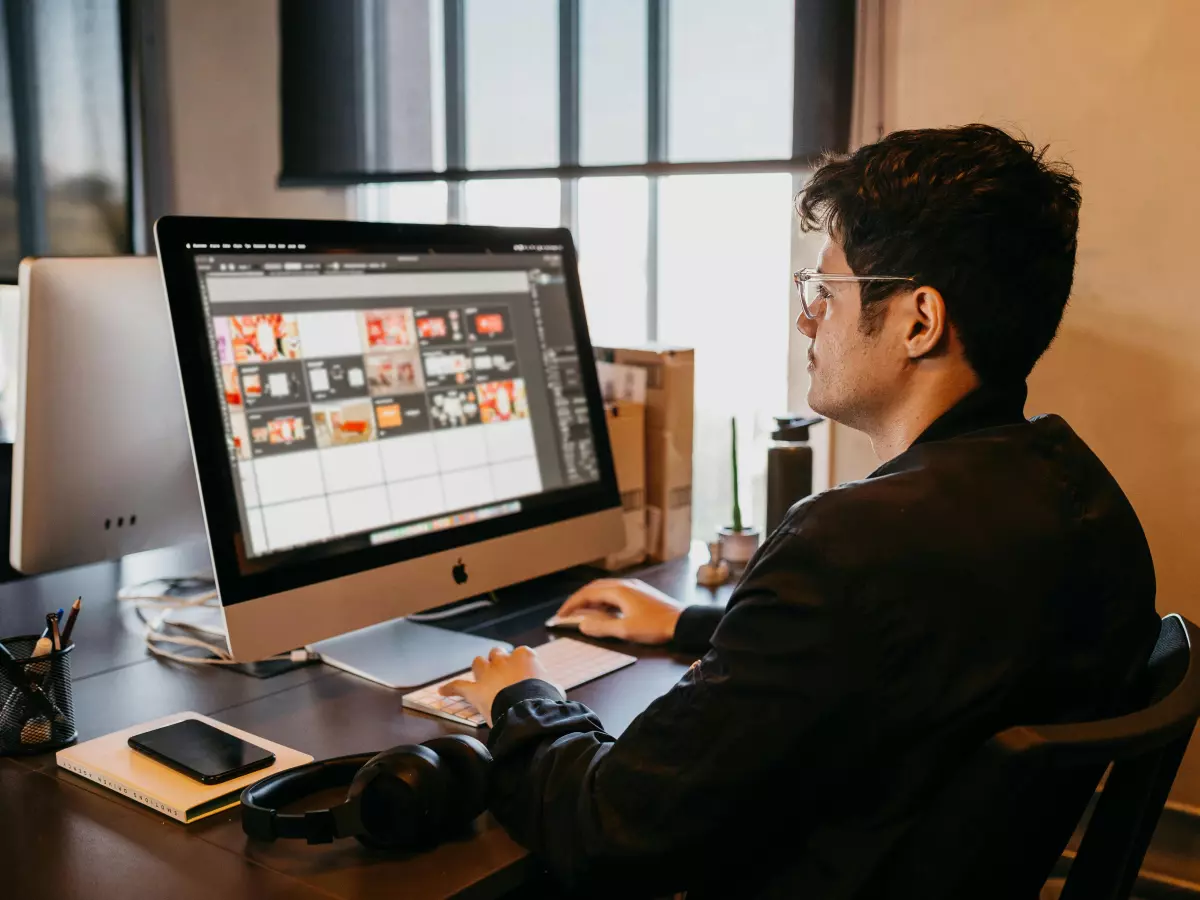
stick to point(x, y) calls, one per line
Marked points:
point(102, 464)
point(10, 330)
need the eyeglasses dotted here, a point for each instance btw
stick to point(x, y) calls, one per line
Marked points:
point(811, 285)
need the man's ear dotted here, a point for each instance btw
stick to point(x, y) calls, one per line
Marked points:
point(928, 327)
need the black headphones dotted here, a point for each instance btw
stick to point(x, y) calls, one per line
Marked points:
point(410, 796)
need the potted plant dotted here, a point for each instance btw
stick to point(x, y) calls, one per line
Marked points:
point(738, 542)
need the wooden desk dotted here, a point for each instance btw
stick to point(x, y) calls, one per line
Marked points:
point(62, 836)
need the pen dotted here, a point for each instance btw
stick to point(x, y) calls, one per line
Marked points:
point(66, 633)
point(46, 630)
point(55, 636)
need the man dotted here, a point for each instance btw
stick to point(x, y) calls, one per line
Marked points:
point(989, 573)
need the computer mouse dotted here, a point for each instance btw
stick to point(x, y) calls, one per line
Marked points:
point(574, 619)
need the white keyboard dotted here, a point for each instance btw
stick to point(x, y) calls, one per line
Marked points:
point(568, 663)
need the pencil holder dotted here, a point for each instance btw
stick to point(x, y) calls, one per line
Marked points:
point(36, 710)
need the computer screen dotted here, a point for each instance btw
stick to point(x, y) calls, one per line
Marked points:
point(384, 418)
point(373, 397)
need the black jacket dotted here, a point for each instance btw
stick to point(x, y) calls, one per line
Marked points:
point(993, 574)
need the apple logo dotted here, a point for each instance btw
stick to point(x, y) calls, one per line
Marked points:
point(460, 572)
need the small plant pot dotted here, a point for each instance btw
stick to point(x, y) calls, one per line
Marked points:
point(738, 546)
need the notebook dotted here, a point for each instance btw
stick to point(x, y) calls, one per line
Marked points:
point(111, 762)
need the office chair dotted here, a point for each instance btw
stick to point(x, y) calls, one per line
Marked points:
point(999, 826)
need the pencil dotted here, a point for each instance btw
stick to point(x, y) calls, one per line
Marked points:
point(66, 633)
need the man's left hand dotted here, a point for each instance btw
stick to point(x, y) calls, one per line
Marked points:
point(494, 674)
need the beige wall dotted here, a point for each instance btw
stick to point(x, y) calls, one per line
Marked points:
point(1111, 86)
point(223, 62)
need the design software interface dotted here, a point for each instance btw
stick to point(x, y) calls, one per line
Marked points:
point(372, 397)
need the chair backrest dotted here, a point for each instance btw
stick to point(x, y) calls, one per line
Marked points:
point(1143, 771)
point(999, 826)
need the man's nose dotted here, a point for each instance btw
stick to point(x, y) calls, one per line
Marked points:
point(806, 326)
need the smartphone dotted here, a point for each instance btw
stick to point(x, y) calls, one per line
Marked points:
point(206, 754)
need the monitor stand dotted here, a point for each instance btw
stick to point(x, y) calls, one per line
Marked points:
point(404, 654)
point(208, 621)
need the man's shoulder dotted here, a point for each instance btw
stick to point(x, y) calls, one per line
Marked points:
point(1039, 470)
point(850, 519)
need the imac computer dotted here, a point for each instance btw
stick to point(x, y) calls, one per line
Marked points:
point(385, 419)
point(102, 466)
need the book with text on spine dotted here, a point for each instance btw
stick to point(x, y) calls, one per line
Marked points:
point(110, 761)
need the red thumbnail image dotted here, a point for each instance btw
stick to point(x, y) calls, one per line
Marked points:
point(432, 327)
point(489, 324)
point(388, 327)
point(233, 390)
point(394, 372)
point(286, 430)
point(439, 326)
point(264, 337)
point(254, 385)
point(501, 401)
point(241, 434)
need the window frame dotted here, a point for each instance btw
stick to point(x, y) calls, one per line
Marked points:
point(822, 72)
point(822, 95)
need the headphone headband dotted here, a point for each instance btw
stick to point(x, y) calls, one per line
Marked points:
point(409, 796)
point(261, 821)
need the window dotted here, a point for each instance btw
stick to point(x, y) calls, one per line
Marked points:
point(612, 235)
point(81, 114)
point(724, 288)
point(511, 67)
point(533, 203)
point(612, 82)
point(64, 184)
point(420, 203)
point(730, 80)
point(665, 134)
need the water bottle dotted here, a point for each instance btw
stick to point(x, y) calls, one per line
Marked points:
point(789, 466)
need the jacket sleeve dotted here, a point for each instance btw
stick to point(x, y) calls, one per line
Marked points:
point(766, 703)
point(695, 628)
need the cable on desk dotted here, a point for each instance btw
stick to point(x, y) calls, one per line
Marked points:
point(170, 596)
point(157, 638)
point(205, 593)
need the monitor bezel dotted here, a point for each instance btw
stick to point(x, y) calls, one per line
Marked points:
point(242, 578)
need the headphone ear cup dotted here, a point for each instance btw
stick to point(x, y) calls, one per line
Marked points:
point(467, 765)
point(402, 796)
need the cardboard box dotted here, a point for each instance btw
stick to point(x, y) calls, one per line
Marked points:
point(627, 436)
point(670, 397)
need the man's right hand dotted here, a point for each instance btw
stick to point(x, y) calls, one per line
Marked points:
point(625, 608)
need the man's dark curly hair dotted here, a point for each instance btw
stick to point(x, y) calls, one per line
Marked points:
point(972, 211)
